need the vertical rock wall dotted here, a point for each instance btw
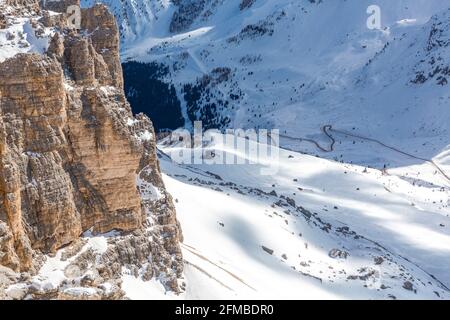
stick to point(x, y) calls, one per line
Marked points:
point(74, 159)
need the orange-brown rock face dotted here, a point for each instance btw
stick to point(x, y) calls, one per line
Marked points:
point(103, 31)
point(74, 159)
point(37, 197)
point(106, 158)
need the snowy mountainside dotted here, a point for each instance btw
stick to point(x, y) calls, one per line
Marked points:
point(299, 65)
point(316, 229)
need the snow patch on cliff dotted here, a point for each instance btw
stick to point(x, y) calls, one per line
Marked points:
point(21, 37)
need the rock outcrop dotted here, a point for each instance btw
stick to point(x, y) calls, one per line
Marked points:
point(2, 21)
point(245, 4)
point(74, 160)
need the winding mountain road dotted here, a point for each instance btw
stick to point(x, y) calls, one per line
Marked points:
point(326, 129)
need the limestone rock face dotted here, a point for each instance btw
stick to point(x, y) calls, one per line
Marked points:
point(58, 5)
point(24, 5)
point(74, 160)
point(102, 27)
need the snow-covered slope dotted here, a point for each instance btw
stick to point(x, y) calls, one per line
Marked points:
point(336, 231)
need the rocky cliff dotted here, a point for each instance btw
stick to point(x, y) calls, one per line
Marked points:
point(76, 163)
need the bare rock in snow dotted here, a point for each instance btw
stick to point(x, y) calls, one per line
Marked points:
point(245, 4)
point(3, 22)
point(338, 254)
point(269, 251)
point(407, 285)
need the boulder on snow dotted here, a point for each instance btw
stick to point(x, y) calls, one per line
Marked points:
point(408, 286)
point(338, 254)
point(269, 251)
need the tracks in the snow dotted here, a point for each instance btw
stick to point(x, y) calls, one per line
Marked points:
point(324, 130)
point(194, 252)
point(207, 274)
